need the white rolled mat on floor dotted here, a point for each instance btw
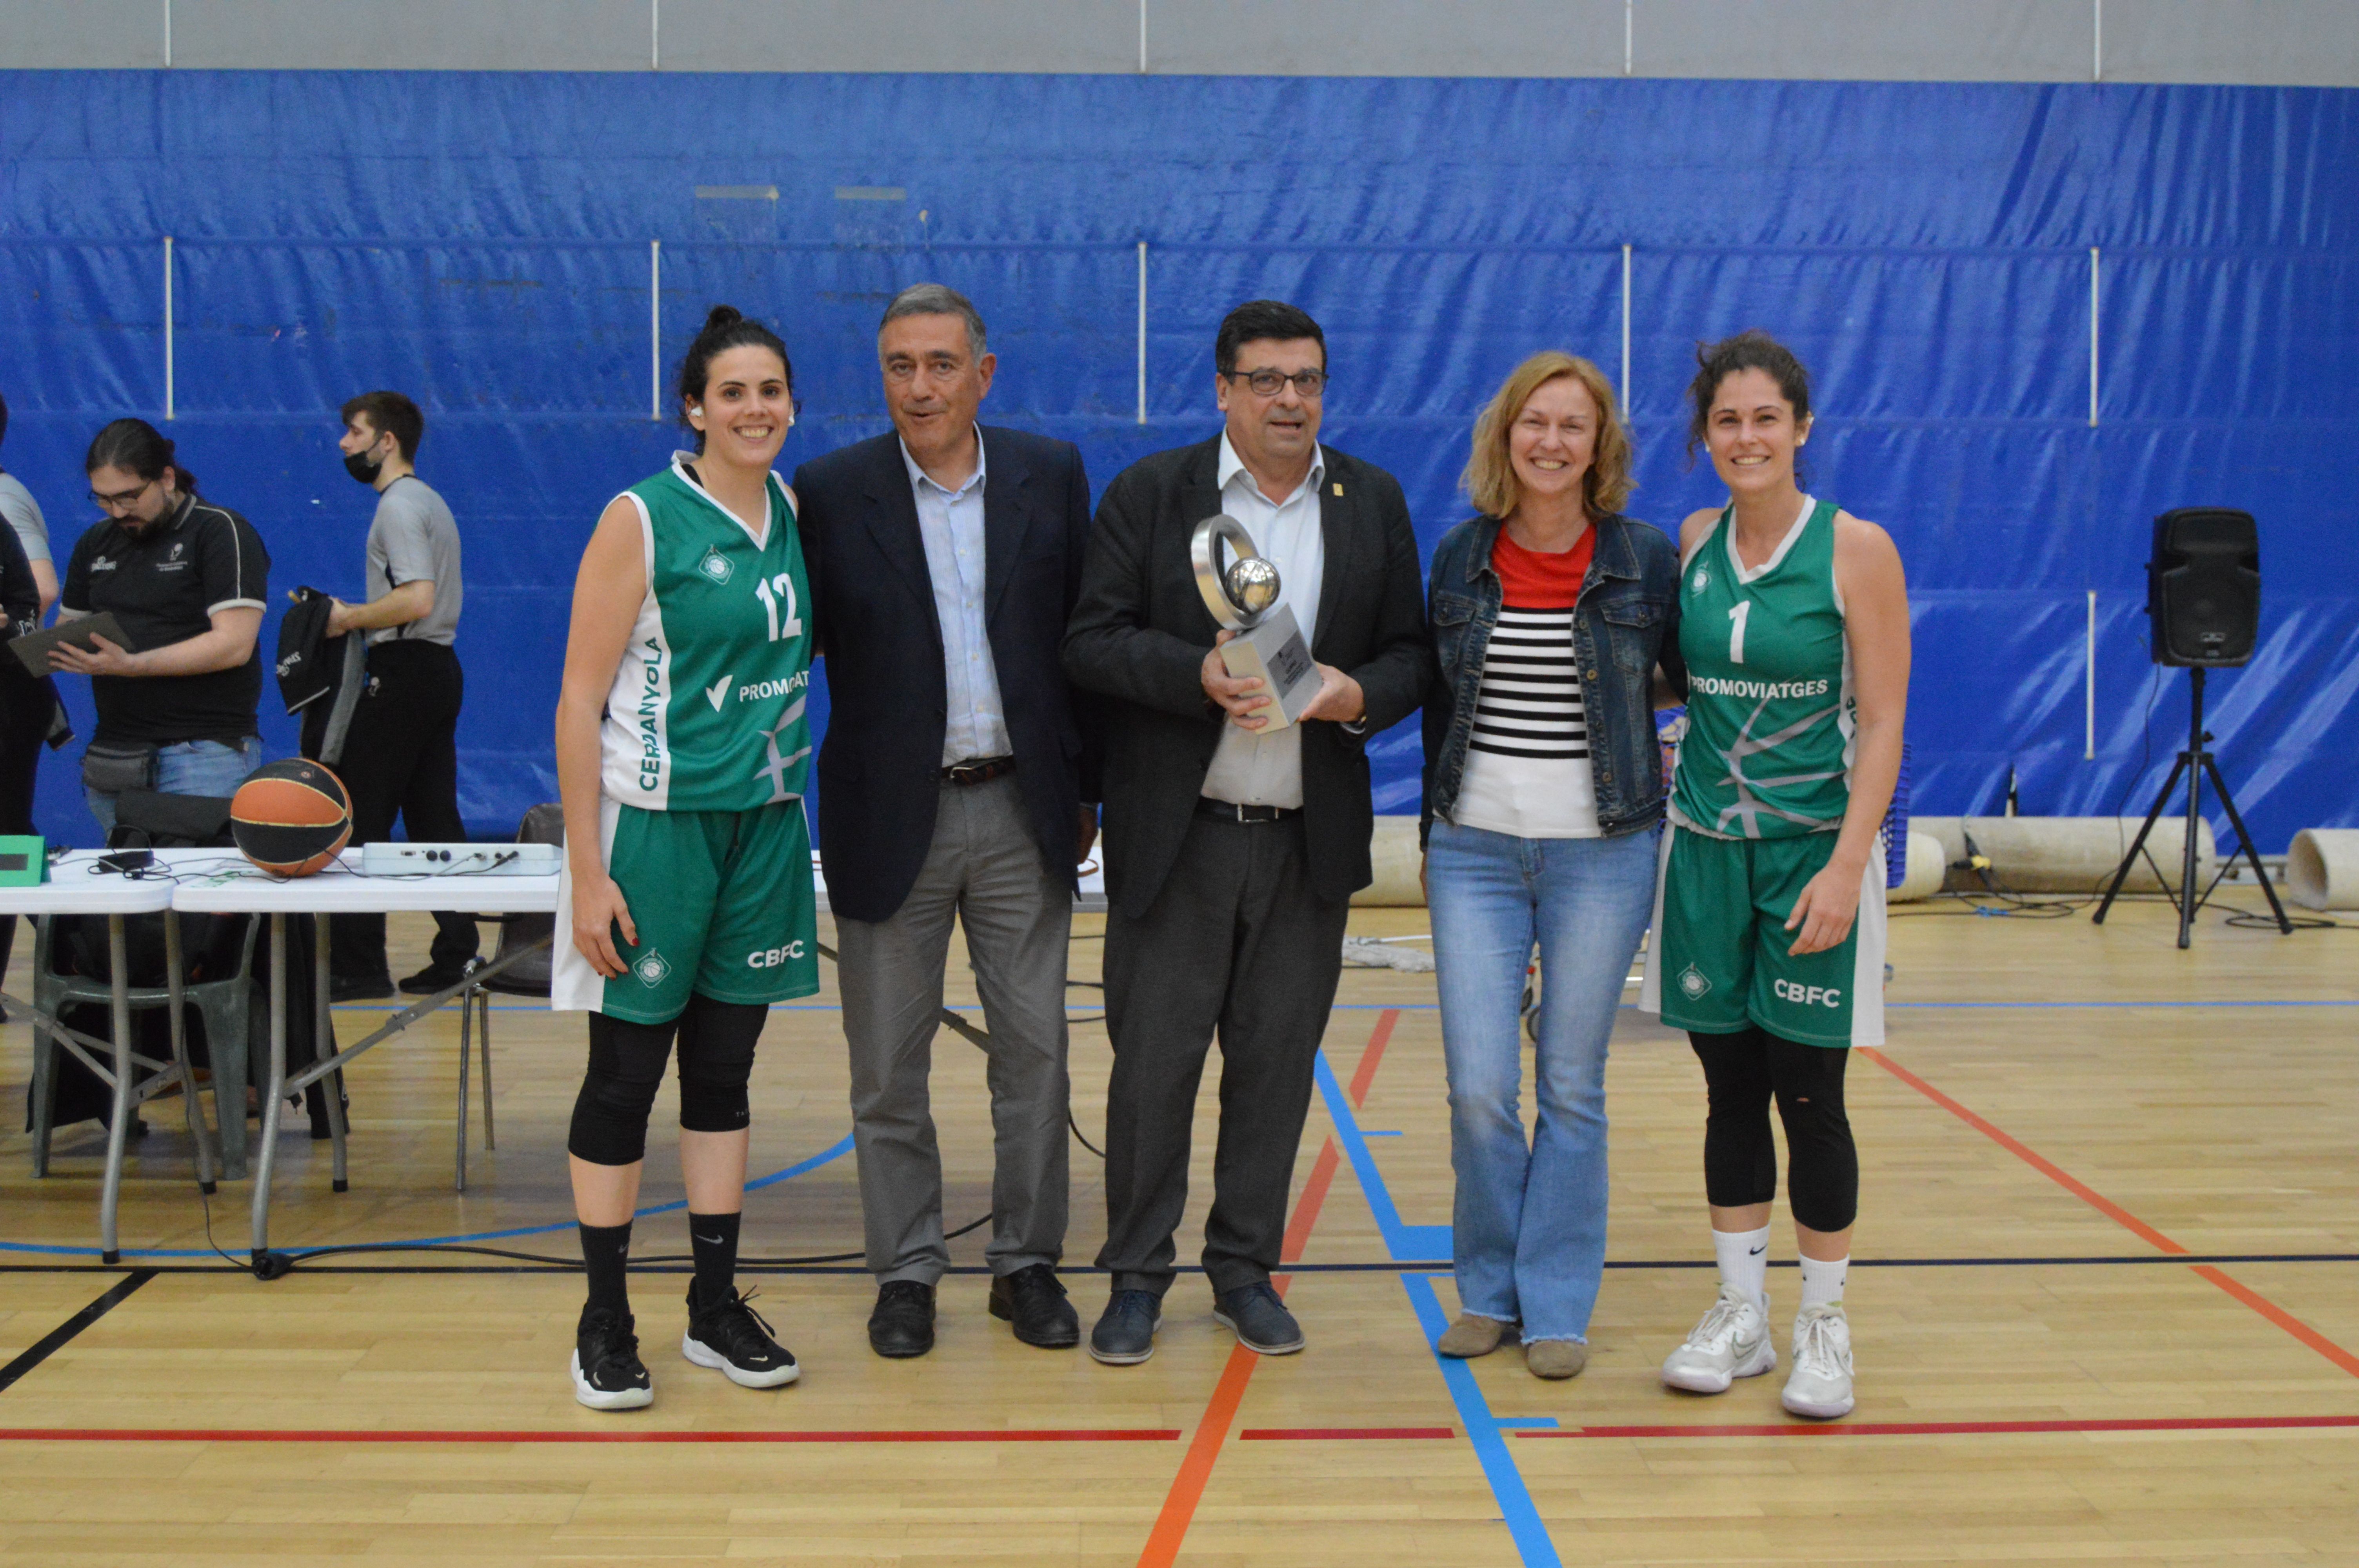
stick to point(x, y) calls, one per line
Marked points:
point(2322, 868)
point(2065, 854)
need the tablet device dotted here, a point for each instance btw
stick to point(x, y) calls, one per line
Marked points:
point(32, 649)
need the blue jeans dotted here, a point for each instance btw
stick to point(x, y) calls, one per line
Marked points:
point(1528, 1226)
point(191, 767)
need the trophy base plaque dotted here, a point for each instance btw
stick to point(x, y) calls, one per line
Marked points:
point(1274, 654)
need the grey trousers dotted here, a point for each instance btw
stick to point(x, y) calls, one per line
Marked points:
point(1237, 942)
point(985, 871)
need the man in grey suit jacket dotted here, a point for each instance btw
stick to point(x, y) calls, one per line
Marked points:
point(944, 557)
point(1233, 850)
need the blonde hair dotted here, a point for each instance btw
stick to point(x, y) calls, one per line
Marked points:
point(1490, 477)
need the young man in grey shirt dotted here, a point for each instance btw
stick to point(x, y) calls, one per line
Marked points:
point(401, 754)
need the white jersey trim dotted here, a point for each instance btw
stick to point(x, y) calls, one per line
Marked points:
point(635, 760)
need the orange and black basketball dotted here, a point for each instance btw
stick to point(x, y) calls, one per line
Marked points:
point(291, 818)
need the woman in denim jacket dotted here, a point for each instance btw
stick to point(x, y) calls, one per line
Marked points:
point(1543, 792)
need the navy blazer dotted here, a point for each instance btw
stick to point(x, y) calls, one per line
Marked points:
point(873, 606)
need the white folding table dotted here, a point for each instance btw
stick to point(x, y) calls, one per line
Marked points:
point(76, 886)
point(238, 887)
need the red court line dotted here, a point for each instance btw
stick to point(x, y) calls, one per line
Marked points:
point(1344, 1434)
point(1178, 1511)
point(2120, 1215)
point(248, 1435)
point(1964, 1428)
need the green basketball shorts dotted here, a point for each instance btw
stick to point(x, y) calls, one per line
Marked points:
point(722, 904)
point(1717, 963)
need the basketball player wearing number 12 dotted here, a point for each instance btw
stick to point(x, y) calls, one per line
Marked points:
point(1769, 944)
point(686, 906)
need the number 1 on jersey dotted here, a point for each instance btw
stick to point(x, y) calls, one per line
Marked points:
point(785, 584)
point(1737, 615)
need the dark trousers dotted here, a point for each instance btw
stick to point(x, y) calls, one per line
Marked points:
point(401, 758)
point(1237, 943)
point(27, 706)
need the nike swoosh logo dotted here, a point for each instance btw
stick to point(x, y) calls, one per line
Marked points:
point(1756, 1251)
point(718, 692)
point(708, 1240)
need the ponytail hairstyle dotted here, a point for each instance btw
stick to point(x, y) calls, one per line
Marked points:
point(724, 329)
point(137, 448)
point(1752, 349)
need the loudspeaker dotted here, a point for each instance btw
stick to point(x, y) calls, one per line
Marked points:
point(2204, 587)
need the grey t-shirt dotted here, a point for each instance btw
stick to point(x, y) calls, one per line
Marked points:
point(24, 514)
point(414, 537)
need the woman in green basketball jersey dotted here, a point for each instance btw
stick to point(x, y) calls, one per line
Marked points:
point(687, 906)
point(1769, 944)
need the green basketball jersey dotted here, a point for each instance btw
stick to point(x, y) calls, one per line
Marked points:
point(707, 709)
point(1770, 710)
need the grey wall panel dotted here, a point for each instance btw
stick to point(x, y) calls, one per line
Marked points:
point(901, 35)
point(413, 34)
point(1875, 40)
point(1385, 38)
point(2285, 43)
point(80, 34)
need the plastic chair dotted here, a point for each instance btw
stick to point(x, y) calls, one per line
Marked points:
point(224, 1004)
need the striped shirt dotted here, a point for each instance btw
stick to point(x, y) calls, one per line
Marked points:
point(1527, 771)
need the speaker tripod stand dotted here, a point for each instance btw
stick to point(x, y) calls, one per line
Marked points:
point(2196, 762)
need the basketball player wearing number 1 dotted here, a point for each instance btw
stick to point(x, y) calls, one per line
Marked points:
point(1769, 944)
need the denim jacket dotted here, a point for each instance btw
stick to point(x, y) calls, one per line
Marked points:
point(1627, 621)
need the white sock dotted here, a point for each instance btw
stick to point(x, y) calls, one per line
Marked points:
point(1743, 1258)
point(1822, 1283)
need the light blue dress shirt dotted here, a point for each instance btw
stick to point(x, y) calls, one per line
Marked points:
point(950, 522)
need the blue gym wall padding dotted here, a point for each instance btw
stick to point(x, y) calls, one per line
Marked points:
point(482, 241)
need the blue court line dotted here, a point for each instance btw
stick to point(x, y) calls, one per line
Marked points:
point(1485, 1431)
point(773, 1179)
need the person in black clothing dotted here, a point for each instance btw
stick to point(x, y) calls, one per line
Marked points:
point(1232, 847)
point(187, 581)
point(27, 703)
point(401, 756)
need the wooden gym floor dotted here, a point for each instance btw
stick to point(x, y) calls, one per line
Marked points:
point(2106, 1307)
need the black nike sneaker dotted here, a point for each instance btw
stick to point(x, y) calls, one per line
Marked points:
point(730, 1337)
point(607, 1372)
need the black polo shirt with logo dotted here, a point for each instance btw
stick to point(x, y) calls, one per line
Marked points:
point(164, 584)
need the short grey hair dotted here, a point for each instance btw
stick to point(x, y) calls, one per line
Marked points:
point(937, 299)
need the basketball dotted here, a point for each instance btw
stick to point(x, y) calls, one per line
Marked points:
point(291, 818)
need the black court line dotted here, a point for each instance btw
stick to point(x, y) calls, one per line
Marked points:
point(59, 1336)
point(1401, 1266)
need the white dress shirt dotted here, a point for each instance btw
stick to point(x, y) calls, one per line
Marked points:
point(1254, 768)
point(951, 523)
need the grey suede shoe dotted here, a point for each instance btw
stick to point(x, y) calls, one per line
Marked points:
point(1472, 1334)
point(1556, 1358)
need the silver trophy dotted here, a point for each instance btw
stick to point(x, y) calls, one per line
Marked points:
point(1243, 597)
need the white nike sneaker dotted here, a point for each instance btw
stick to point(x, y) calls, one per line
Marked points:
point(1820, 1383)
point(1731, 1341)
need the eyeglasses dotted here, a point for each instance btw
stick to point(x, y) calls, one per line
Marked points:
point(121, 498)
point(1266, 383)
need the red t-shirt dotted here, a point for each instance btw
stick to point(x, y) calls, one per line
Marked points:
point(1532, 580)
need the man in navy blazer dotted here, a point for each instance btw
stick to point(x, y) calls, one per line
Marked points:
point(955, 782)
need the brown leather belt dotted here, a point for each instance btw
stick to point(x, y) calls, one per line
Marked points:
point(1230, 811)
point(982, 770)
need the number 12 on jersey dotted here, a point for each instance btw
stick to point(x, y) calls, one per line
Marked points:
point(784, 583)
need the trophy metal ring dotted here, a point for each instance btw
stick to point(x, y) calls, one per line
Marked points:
point(1242, 595)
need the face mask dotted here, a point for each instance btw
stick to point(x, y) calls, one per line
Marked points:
point(364, 468)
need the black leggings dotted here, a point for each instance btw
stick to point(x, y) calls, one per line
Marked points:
point(1740, 1158)
point(626, 1067)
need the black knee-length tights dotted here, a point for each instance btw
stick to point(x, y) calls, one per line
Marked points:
point(1740, 1158)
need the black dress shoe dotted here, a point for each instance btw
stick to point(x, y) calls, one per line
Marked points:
point(903, 1323)
point(1260, 1320)
point(359, 988)
point(1126, 1333)
point(1032, 1301)
point(431, 978)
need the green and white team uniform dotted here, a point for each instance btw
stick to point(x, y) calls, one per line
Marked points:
point(1763, 782)
point(705, 753)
